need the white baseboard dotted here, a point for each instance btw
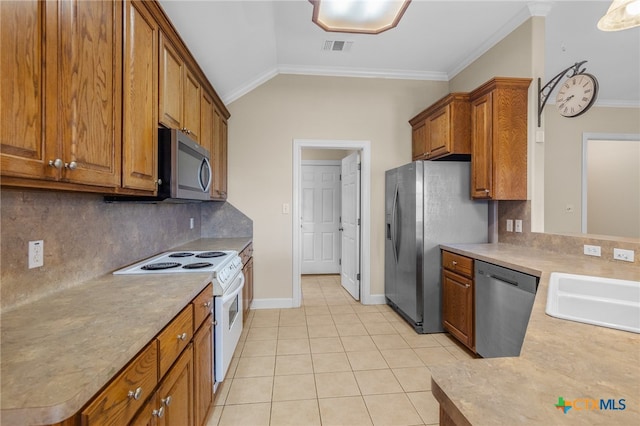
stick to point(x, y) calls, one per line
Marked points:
point(377, 299)
point(272, 303)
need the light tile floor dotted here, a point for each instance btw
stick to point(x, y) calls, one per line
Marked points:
point(333, 361)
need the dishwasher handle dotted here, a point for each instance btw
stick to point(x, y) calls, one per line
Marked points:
point(504, 280)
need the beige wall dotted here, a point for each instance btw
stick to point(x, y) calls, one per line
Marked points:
point(563, 159)
point(324, 154)
point(262, 128)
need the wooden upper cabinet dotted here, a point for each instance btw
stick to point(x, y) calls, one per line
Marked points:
point(172, 70)
point(443, 129)
point(90, 91)
point(180, 91)
point(192, 100)
point(499, 139)
point(219, 165)
point(61, 91)
point(140, 94)
point(26, 144)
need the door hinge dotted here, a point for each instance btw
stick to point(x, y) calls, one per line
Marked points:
point(340, 261)
point(358, 221)
point(359, 166)
point(358, 277)
point(340, 177)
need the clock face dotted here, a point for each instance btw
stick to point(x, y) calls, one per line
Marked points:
point(577, 94)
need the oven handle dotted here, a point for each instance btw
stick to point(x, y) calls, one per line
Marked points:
point(229, 296)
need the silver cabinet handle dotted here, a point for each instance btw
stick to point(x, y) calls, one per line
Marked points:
point(454, 263)
point(159, 181)
point(207, 304)
point(158, 413)
point(486, 191)
point(135, 394)
point(71, 166)
point(167, 401)
point(182, 336)
point(215, 322)
point(57, 163)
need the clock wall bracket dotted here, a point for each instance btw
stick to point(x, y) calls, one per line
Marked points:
point(544, 92)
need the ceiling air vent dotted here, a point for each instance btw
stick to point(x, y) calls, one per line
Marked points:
point(336, 46)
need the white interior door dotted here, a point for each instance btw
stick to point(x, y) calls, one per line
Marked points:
point(350, 240)
point(320, 219)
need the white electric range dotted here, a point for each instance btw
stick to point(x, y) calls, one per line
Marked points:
point(225, 267)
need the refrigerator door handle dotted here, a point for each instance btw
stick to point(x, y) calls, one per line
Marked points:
point(394, 225)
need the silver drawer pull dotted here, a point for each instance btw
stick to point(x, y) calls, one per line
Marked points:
point(454, 263)
point(182, 336)
point(71, 166)
point(158, 413)
point(135, 394)
point(207, 304)
point(167, 401)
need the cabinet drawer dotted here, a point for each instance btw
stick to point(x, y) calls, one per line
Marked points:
point(202, 306)
point(460, 264)
point(174, 338)
point(127, 392)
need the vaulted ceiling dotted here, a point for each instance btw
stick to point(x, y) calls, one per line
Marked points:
point(240, 44)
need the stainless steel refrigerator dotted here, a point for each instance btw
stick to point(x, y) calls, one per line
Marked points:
point(427, 203)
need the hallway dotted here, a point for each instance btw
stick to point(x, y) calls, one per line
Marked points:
point(333, 361)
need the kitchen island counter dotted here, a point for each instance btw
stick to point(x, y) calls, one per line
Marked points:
point(60, 350)
point(559, 358)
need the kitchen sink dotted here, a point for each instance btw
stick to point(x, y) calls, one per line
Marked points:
point(599, 301)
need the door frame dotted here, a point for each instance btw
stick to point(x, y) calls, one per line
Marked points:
point(365, 211)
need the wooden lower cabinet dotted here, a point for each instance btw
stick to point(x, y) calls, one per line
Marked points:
point(203, 369)
point(172, 403)
point(247, 269)
point(458, 298)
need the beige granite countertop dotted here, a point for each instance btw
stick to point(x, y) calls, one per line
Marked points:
point(59, 351)
point(559, 358)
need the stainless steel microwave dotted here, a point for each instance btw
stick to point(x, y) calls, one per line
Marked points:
point(184, 171)
point(184, 167)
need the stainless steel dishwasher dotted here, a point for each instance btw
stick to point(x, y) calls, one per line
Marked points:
point(504, 299)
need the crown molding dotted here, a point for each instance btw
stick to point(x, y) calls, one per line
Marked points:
point(362, 72)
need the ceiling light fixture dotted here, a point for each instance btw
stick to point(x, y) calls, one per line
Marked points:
point(358, 16)
point(622, 14)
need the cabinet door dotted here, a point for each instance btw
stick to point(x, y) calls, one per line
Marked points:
point(172, 70)
point(148, 414)
point(175, 393)
point(457, 306)
point(419, 141)
point(28, 141)
point(203, 371)
point(481, 147)
point(191, 108)
point(220, 158)
point(247, 291)
point(207, 129)
point(439, 132)
point(90, 91)
point(140, 99)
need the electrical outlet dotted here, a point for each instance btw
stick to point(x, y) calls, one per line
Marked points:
point(621, 254)
point(36, 254)
point(285, 208)
point(592, 250)
point(509, 225)
point(191, 223)
point(518, 225)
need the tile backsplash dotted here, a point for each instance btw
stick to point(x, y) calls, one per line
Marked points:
point(570, 244)
point(84, 237)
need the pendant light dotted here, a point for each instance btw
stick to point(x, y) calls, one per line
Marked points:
point(622, 14)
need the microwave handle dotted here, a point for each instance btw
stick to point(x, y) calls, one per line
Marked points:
point(205, 163)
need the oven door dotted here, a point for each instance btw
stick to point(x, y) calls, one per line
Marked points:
point(228, 327)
